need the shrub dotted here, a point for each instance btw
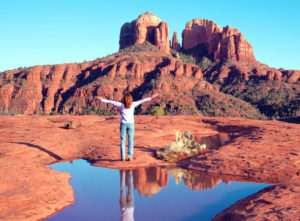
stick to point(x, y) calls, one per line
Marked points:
point(157, 111)
point(217, 105)
point(275, 99)
point(91, 110)
point(204, 63)
point(70, 125)
point(183, 57)
point(146, 46)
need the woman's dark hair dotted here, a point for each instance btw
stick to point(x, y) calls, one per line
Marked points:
point(127, 100)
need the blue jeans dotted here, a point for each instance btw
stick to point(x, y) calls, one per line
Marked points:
point(127, 128)
point(126, 179)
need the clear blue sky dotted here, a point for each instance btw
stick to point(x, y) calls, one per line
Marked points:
point(38, 32)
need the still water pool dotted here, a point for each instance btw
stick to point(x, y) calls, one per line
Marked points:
point(148, 193)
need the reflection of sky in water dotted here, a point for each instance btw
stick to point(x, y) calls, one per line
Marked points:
point(97, 194)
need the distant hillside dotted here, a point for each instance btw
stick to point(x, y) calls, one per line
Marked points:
point(201, 77)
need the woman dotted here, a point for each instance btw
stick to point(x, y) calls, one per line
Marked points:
point(126, 108)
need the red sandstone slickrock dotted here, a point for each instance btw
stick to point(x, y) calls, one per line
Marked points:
point(262, 205)
point(259, 150)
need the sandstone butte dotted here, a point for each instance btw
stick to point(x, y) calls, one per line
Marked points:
point(147, 27)
point(261, 151)
point(220, 43)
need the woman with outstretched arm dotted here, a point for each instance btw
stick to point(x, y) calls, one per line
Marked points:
point(126, 107)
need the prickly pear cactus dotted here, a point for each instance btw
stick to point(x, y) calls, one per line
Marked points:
point(182, 147)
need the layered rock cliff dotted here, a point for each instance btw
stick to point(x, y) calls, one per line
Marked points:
point(68, 88)
point(230, 70)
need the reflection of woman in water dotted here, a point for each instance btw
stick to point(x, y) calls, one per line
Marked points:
point(126, 201)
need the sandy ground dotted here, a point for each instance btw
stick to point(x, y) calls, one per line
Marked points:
point(267, 151)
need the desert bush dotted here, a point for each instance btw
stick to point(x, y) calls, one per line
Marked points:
point(215, 104)
point(157, 111)
point(94, 110)
point(275, 99)
point(54, 113)
point(183, 57)
point(70, 125)
point(204, 63)
point(146, 46)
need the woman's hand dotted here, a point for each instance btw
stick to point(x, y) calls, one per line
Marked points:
point(155, 95)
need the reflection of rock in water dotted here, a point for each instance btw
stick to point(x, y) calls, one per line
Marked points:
point(214, 140)
point(149, 181)
point(195, 181)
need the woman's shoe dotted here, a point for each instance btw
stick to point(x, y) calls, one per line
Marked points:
point(129, 159)
point(123, 159)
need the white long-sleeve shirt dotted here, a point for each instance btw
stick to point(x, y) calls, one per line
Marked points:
point(126, 113)
point(127, 214)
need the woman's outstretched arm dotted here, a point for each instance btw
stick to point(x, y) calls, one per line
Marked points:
point(137, 103)
point(115, 103)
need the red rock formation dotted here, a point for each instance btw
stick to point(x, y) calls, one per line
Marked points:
point(291, 75)
point(67, 88)
point(245, 70)
point(147, 27)
point(175, 43)
point(38, 89)
point(221, 44)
